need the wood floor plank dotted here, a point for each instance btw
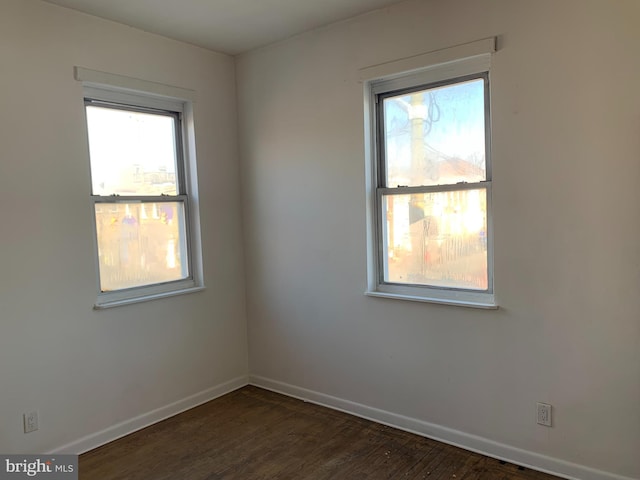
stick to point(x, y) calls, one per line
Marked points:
point(254, 434)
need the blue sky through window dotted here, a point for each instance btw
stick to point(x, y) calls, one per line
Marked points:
point(453, 123)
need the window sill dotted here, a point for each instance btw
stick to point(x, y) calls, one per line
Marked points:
point(104, 304)
point(440, 301)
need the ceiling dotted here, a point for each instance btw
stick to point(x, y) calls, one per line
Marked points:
point(228, 26)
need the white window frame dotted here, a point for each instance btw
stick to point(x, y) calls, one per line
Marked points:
point(421, 71)
point(141, 94)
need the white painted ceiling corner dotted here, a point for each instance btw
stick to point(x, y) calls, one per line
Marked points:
point(226, 26)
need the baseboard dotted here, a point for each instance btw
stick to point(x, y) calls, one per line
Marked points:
point(146, 419)
point(534, 461)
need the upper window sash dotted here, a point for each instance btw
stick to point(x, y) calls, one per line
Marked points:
point(380, 126)
point(174, 169)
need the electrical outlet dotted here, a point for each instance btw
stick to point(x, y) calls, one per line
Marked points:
point(30, 421)
point(544, 414)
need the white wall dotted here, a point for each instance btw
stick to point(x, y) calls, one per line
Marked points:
point(566, 130)
point(87, 370)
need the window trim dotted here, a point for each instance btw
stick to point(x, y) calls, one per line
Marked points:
point(422, 71)
point(138, 95)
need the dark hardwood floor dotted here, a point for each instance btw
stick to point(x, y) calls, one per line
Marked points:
point(256, 434)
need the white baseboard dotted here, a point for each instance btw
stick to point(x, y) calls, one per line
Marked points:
point(534, 461)
point(146, 419)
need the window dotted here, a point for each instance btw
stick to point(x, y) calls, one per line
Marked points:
point(430, 192)
point(141, 193)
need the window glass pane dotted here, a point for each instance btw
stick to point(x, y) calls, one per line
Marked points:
point(132, 153)
point(436, 136)
point(140, 244)
point(437, 239)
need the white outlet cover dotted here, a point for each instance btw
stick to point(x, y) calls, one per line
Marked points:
point(30, 422)
point(543, 414)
